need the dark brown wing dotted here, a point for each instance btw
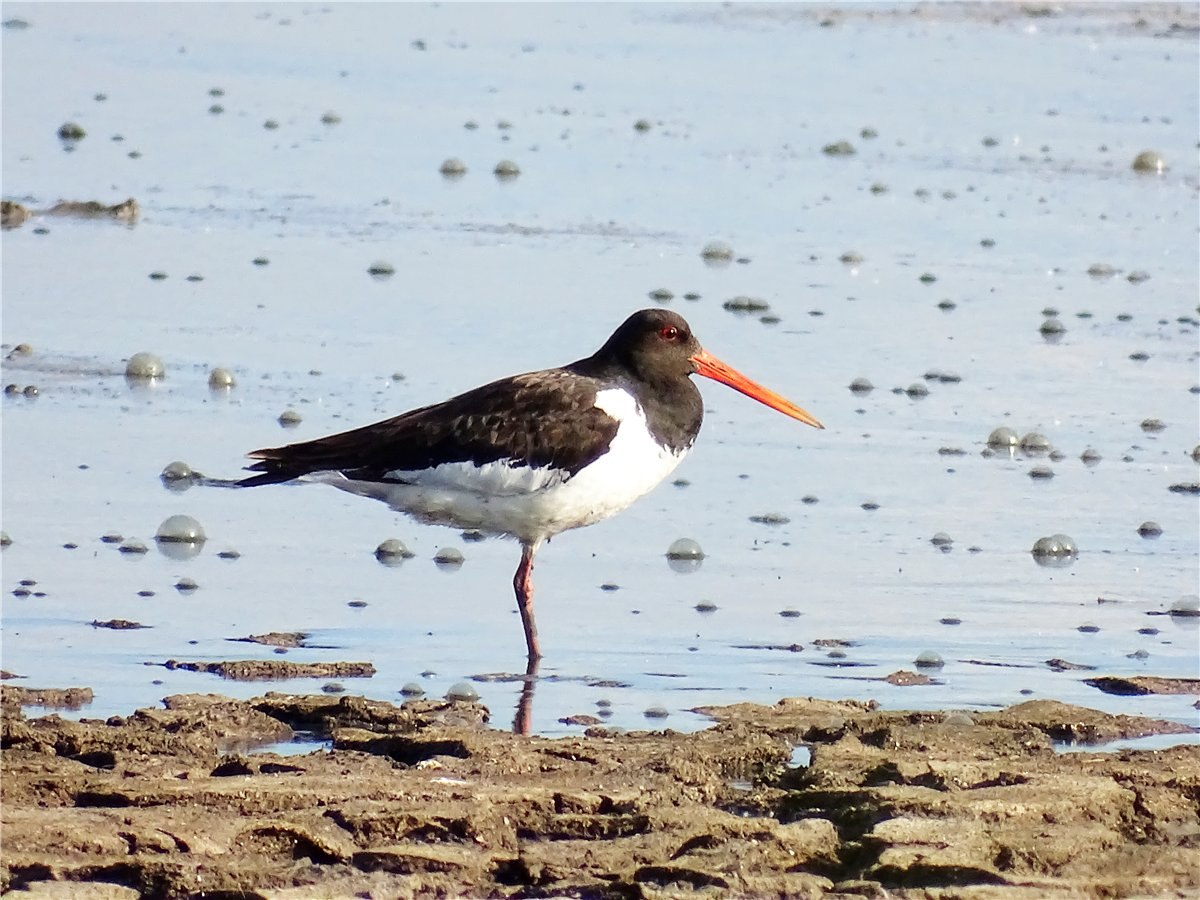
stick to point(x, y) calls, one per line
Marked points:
point(546, 418)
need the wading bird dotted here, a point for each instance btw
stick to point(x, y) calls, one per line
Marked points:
point(533, 455)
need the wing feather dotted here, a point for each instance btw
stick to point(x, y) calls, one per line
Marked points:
point(541, 419)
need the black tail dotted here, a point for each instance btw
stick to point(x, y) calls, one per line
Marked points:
point(277, 476)
point(364, 451)
point(272, 469)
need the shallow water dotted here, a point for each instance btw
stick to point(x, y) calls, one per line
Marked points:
point(498, 277)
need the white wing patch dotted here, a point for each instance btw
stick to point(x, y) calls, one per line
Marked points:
point(531, 503)
point(496, 479)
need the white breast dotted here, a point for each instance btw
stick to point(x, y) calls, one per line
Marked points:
point(532, 503)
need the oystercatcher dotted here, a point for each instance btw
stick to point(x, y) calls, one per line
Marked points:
point(533, 455)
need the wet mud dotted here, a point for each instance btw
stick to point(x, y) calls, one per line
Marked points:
point(274, 670)
point(1145, 684)
point(14, 214)
point(1022, 266)
point(804, 798)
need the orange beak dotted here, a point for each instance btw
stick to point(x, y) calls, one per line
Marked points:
point(711, 367)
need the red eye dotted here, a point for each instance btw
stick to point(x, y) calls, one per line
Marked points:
point(669, 333)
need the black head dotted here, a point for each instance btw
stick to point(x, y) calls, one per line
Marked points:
point(653, 345)
point(657, 348)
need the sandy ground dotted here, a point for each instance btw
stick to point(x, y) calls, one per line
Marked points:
point(425, 800)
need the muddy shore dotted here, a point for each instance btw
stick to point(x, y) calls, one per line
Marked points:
point(803, 799)
point(963, 232)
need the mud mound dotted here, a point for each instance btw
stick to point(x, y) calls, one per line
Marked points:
point(423, 800)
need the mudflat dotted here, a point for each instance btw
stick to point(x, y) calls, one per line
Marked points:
point(803, 798)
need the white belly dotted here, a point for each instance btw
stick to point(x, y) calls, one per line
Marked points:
point(531, 504)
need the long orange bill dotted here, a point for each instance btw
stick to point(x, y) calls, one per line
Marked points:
point(711, 367)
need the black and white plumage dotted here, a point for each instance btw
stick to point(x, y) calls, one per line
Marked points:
point(533, 455)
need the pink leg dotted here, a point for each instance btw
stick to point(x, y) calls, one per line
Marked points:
point(523, 585)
